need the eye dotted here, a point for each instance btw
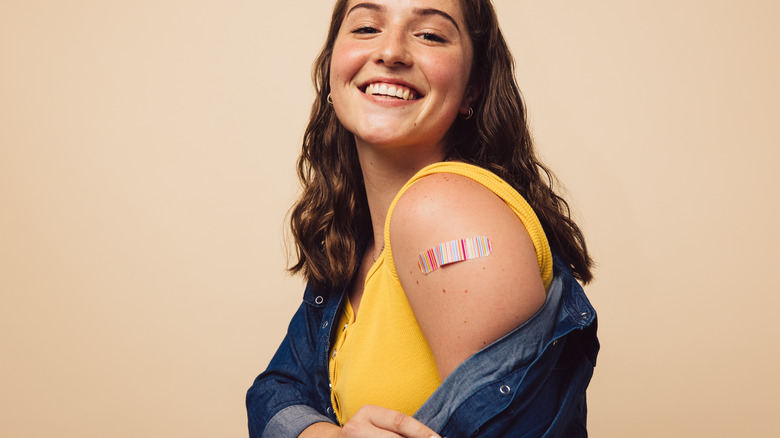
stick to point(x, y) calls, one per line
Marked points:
point(365, 30)
point(429, 36)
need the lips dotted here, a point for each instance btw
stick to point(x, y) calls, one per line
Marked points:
point(396, 91)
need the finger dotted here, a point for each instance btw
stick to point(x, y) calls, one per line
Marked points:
point(398, 422)
point(365, 430)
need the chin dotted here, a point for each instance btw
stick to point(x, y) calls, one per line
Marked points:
point(382, 135)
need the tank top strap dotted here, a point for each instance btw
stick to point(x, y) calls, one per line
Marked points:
point(503, 190)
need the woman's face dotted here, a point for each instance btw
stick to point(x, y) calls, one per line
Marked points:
point(399, 71)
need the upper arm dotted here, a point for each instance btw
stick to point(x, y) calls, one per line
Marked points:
point(464, 306)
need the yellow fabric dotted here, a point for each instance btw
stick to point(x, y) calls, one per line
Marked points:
point(382, 357)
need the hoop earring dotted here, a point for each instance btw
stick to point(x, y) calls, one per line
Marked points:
point(330, 101)
point(469, 115)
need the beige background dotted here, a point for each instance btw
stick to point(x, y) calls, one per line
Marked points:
point(147, 163)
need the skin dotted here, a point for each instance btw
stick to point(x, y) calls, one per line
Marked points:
point(424, 46)
point(398, 42)
point(388, 41)
point(465, 306)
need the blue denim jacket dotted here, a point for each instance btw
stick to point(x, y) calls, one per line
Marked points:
point(529, 383)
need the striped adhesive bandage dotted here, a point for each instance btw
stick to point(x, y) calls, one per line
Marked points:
point(453, 251)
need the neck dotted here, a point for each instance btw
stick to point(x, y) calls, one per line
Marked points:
point(384, 173)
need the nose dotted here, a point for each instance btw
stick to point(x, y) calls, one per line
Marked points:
point(393, 50)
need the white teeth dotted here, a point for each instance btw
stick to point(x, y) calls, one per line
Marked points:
point(390, 90)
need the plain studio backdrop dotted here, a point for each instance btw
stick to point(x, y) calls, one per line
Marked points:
point(147, 154)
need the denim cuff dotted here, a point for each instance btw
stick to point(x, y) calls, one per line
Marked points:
point(292, 420)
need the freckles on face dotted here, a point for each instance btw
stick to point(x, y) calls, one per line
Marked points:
point(399, 70)
point(347, 59)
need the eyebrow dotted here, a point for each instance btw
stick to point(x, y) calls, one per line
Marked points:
point(420, 11)
point(432, 11)
point(371, 6)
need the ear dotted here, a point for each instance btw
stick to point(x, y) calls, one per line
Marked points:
point(472, 94)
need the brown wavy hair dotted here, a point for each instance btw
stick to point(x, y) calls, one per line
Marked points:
point(331, 221)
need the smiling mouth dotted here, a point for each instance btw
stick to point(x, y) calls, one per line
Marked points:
point(391, 90)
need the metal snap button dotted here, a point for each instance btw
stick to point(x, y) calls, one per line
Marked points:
point(329, 410)
point(505, 390)
point(584, 315)
point(319, 300)
point(325, 324)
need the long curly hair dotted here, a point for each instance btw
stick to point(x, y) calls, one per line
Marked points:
point(331, 221)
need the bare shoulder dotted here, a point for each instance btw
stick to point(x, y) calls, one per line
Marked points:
point(444, 207)
point(462, 307)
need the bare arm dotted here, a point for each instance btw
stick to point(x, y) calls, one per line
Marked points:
point(465, 306)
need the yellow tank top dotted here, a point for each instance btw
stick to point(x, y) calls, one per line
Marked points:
point(382, 358)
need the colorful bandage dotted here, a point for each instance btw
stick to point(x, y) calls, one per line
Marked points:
point(453, 251)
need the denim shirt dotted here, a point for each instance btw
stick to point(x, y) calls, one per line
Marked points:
point(529, 383)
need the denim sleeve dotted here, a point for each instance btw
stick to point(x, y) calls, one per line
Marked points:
point(288, 396)
point(531, 382)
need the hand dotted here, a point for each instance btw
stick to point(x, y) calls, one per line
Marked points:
point(376, 421)
point(373, 422)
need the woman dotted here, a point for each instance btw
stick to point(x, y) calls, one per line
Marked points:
point(426, 230)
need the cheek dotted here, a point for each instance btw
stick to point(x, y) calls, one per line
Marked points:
point(451, 70)
point(345, 63)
